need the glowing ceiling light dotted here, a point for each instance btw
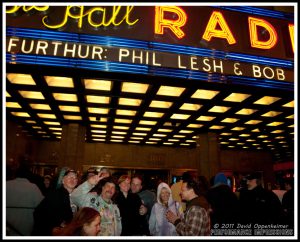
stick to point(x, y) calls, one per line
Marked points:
point(185, 132)
point(195, 126)
point(139, 134)
point(99, 126)
point(236, 97)
point(118, 132)
point(97, 99)
point(246, 111)
point(134, 87)
point(20, 114)
point(58, 81)
point(238, 128)
point(130, 101)
point(190, 107)
point(229, 120)
point(290, 117)
point(145, 122)
point(219, 109)
point(289, 104)
point(32, 94)
point(142, 129)
point(274, 123)
point(72, 117)
point(121, 127)
point(23, 79)
point(205, 118)
point(164, 130)
point(65, 97)
point(253, 122)
point(170, 91)
point(271, 114)
point(98, 110)
point(45, 115)
point(216, 127)
point(94, 84)
point(267, 100)
point(40, 106)
point(160, 104)
point(180, 116)
point(123, 121)
point(126, 112)
point(153, 114)
point(13, 105)
point(69, 108)
point(226, 134)
point(51, 123)
point(204, 94)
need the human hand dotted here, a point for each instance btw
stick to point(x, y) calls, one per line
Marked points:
point(93, 180)
point(103, 175)
point(171, 217)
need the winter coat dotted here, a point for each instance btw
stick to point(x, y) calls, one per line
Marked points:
point(22, 197)
point(110, 214)
point(260, 206)
point(132, 222)
point(224, 205)
point(158, 223)
point(53, 210)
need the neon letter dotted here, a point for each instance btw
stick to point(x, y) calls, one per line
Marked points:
point(211, 31)
point(291, 30)
point(255, 42)
point(174, 25)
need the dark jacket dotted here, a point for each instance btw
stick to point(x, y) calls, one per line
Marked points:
point(288, 207)
point(54, 209)
point(260, 206)
point(132, 222)
point(224, 204)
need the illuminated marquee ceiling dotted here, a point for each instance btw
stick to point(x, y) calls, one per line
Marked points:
point(146, 110)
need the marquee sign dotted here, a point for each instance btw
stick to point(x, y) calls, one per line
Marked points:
point(145, 57)
point(197, 26)
point(266, 41)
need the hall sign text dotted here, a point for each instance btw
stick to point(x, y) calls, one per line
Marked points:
point(16, 45)
point(206, 27)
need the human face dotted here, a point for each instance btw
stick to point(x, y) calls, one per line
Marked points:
point(164, 195)
point(251, 184)
point(70, 181)
point(47, 182)
point(125, 185)
point(185, 193)
point(108, 190)
point(136, 185)
point(93, 228)
point(287, 186)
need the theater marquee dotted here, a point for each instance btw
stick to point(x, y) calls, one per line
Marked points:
point(145, 57)
point(210, 28)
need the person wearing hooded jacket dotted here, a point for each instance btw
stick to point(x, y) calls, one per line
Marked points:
point(158, 223)
point(224, 204)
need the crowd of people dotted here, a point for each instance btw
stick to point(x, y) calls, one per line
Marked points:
point(100, 204)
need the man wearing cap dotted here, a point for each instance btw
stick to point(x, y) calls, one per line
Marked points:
point(258, 205)
point(55, 209)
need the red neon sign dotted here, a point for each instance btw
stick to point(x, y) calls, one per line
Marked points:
point(211, 30)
